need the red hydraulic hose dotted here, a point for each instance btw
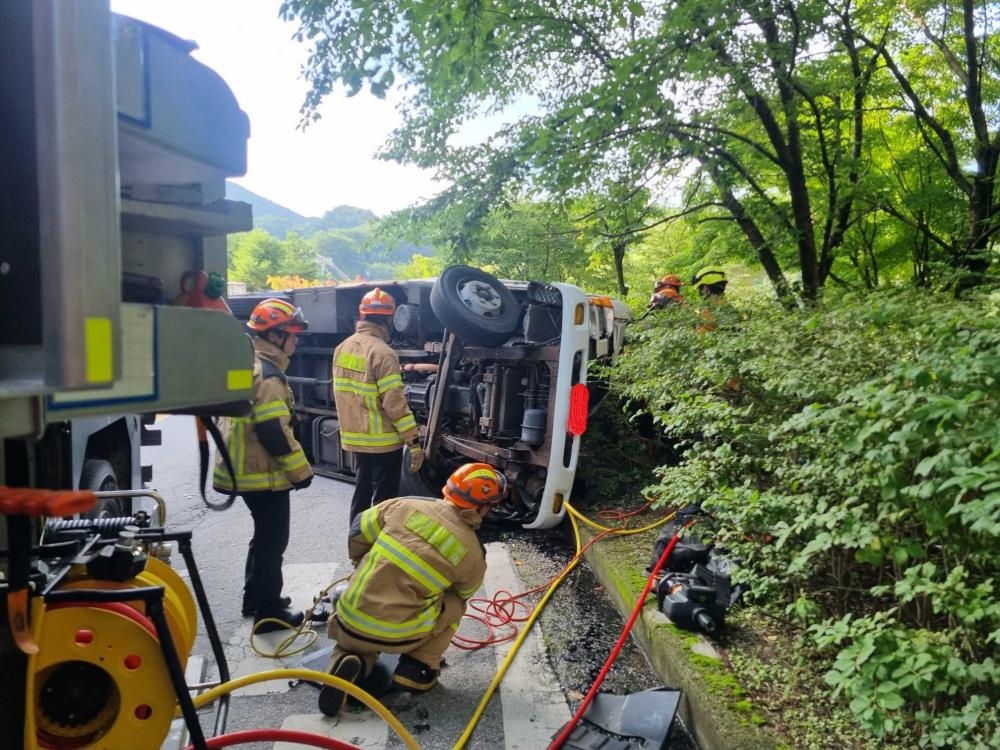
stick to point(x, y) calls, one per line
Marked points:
point(275, 735)
point(568, 729)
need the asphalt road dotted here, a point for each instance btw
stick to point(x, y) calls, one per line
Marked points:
point(524, 714)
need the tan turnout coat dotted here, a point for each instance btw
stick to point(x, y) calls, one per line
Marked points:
point(417, 561)
point(256, 469)
point(368, 390)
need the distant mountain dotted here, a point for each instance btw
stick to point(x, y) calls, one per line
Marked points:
point(277, 220)
point(345, 217)
point(340, 237)
point(268, 215)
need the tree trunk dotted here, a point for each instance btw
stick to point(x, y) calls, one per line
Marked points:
point(618, 247)
point(759, 243)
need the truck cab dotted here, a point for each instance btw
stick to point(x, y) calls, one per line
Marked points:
point(495, 371)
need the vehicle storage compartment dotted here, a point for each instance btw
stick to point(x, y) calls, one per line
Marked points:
point(207, 353)
point(57, 191)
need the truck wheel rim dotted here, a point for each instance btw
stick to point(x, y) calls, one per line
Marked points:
point(481, 298)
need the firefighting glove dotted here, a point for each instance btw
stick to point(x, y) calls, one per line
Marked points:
point(416, 458)
point(302, 483)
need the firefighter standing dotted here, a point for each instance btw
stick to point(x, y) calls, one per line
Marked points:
point(711, 285)
point(375, 420)
point(268, 462)
point(416, 564)
point(666, 291)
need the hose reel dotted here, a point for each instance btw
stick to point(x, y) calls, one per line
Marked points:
point(100, 678)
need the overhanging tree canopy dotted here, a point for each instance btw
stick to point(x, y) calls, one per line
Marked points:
point(763, 110)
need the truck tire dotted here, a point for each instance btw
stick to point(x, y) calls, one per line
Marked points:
point(99, 475)
point(475, 306)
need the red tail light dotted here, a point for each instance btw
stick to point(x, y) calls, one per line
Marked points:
point(579, 400)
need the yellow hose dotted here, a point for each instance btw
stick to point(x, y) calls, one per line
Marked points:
point(574, 513)
point(304, 630)
point(574, 516)
point(509, 659)
point(284, 649)
point(353, 690)
point(313, 676)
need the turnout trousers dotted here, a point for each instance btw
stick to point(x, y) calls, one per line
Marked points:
point(377, 480)
point(427, 650)
point(263, 579)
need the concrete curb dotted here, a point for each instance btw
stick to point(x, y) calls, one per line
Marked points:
point(713, 706)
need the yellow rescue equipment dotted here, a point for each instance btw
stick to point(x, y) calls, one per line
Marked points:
point(100, 678)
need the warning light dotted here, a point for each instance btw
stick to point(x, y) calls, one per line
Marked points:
point(579, 400)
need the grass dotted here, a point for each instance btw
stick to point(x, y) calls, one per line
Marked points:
point(775, 665)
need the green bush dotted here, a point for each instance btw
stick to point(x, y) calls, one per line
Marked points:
point(850, 455)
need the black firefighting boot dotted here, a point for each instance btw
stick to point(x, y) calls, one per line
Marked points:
point(412, 674)
point(347, 667)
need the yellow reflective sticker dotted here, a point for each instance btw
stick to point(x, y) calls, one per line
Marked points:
point(99, 349)
point(239, 380)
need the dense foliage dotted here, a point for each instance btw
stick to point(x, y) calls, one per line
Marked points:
point(851, 457)
point(840, 140)
point(334, 250)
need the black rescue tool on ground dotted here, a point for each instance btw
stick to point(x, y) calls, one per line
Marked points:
point(695, 589)
point(625, 722)
point(687, 552)
point(699, 600)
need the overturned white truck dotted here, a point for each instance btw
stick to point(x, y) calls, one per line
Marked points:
point(500, 377)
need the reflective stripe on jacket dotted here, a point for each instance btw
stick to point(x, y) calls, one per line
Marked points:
point(408, 553)
point(368, 390)
point(256, 469)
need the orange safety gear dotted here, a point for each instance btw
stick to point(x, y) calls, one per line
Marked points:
point(276, 315)
point(670, 280)
point(475, 485)
point(377, 302)
point(665, 297)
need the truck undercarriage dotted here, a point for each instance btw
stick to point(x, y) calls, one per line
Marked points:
point(488, 368)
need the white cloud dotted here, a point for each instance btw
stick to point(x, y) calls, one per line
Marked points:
point(332, 162)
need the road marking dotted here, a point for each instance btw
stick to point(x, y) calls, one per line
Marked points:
point(364, 729)
point(534, 707)
point(302, 582)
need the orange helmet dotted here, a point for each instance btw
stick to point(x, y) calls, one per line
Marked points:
point(276, 315)
point(475, 485)
point(377, 302)
point(668, 280)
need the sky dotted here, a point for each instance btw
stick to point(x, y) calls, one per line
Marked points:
point(332, 162)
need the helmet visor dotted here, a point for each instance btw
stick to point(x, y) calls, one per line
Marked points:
point(297, 322)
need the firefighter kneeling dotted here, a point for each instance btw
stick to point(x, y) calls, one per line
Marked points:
point(416, 564)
